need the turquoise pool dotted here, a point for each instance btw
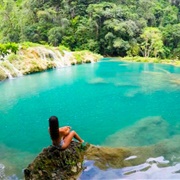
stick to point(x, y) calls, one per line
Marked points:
point(109, 103)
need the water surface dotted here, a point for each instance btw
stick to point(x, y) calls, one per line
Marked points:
point(109, 103)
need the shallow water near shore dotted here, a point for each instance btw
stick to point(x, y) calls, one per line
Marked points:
point(110, 103)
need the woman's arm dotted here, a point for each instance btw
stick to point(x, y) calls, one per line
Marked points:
point(65, 130)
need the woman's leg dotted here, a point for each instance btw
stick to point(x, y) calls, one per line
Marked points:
point(67, 139)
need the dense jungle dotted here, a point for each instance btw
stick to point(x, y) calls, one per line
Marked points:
point(110, 28)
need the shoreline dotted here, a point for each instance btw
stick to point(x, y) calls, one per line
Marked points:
point(35, 59)
point(151, 60)
point(14, 68)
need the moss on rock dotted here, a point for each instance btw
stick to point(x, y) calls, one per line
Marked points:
point(54, 163)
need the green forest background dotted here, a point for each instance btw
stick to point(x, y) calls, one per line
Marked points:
point(147, 28)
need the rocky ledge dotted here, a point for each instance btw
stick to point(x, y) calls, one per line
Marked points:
point(33, 59)
point(54, 163)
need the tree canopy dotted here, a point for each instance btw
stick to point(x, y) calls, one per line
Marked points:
point(113, 28)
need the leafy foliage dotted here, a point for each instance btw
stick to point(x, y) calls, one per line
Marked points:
point(152, 44)
point(8, 48)
point(113, 28)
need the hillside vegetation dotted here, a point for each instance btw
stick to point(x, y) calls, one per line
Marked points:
point(149, 28)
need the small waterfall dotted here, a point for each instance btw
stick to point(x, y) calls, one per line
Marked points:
point(41, 53)
point(64, 60)
point(57, 59)
point(9, 69)
point(67, 57)
point(18, 73)
point(54, 55)
point(37, 58)
point(7, 72)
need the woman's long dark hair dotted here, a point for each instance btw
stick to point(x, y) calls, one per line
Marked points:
point(54, 127)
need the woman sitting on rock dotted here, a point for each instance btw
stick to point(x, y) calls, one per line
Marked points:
point(61, 137)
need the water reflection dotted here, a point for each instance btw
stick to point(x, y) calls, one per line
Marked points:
point(147, 170)
point(152, 167)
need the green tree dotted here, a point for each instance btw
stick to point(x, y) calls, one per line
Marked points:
point(8, 48)
point(152, 44)
point(9, 21)
point(171, 38)
point(55, 36)
point(145, 11)
point(112, 28)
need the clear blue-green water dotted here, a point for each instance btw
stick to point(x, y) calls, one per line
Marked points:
point(107, 103)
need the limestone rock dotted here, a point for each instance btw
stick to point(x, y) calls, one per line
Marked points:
point(54, 163)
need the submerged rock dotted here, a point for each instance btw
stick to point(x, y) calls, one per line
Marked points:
point(55, 163)
point(109, 157)
point(106, 157)
point(143, 133)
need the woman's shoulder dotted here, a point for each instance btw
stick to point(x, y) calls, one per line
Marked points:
point(62, 129)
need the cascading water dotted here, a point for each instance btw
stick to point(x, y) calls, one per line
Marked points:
point(57, 60)
point(18, 73)
point(67, 57)
point(53, 55)
point(40, 58)
point(6, 72)
point(10, 70)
